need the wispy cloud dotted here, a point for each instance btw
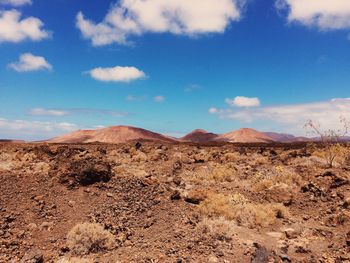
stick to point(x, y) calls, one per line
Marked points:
point(28, 62)
point(33, 130)
point(48, 112)
point(135, 98)
point(193, 88)
point(291, 117)
point(134, 18)
point(76, 111)
point(16, 2)
point(117, 74)
point(14, 29)
point(159, 98)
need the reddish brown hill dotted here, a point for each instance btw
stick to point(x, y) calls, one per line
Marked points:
point(245, 135)
point(114, 134)
point(200, 136)
point(11, 141)
point(282, 137)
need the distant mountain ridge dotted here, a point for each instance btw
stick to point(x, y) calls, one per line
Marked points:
point(123, 134)
point(114, 134)
point(200, 135)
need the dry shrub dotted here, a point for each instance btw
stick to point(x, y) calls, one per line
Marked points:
point(217, 205)
point(261, 160)
point(238, 208)
point(232, 157)
point(216, 174)
point(333, 150)
point(88, 238)
point(219, 228)
point(275, 176)
point(335, 153)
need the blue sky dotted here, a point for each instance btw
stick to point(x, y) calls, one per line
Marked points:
point(172, 66)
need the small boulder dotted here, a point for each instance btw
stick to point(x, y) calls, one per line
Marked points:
point(33, 256)
point(280, 193)
point(86, 171)
point(196, 196)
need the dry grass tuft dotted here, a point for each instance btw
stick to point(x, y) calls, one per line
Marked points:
point(232, 157)
point(74, 260)
point(212, 174)
point(242, 211)
point(219, 228)
point(277, 175)
point(88, 238)
point(261, 160)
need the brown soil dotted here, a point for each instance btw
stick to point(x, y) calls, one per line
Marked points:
point(153, 198)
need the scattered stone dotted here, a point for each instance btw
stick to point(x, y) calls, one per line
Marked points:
point(138, 145)
point(277, 235)
point(285, 258)
point(280, 193)
point(301, 249)
point(32, 226)
point(260, 255)
point(213, 259)
point(46, 225)
point(109, 195)
point(291, 233)
point(196, 196)
point(34, 256)
point(176, 195)
point(85, 171)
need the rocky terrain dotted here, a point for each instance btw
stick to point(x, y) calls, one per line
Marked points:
point(173, 202)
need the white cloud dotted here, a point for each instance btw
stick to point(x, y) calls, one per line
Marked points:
point(13, 29)
point(159, 98)
point(47, 112)
point(75, 111)
point(323, 14)
point(291, 118)
point(28, 62)
point(241, 101)
point(28, 130)
point(16, 2)
point(117, 74)
point(135, 98)
point(183, 17)
point(192, 88)
point(213, 110)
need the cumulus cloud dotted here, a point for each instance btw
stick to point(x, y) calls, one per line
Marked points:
point(14, 29)
point(16, 2)
point(117, 74)
point(75, 111)
point(182, 17)
point(159, 98)
point(292, 117)
point(241, 101)
point(323, 14)
point(33, 130)
point(28, 62)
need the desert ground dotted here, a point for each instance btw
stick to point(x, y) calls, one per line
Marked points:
point(172, 202)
